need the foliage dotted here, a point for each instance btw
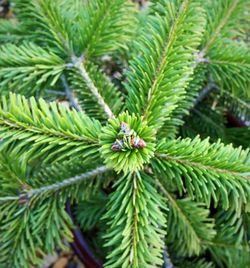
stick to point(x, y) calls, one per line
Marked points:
point(147, 163)
point(109, 92)
point(136, 228)
point(154, 81)
point(24, 65)
point(128, 142)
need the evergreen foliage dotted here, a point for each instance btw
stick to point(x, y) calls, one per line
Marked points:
point(27, 64)
point(110, 93)
point(153, 166)
point(154, 81)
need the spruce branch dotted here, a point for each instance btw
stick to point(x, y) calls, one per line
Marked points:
point(110, 93)
point(80, 245)
point(206, 121)
point(11, 31)
point(201, 167)
point(224, 245)
point(237, 105)
point(172, 126)
point(245, 175)
point(139, 223)
point(8, 199)
point(205, 91)
point(243, 104)
point(56, 92)
point(228, 254)
point(220, 26)
point(66, 183)
point(104, 26)
point(194, 227)
point(32, 231)
point(198, 262)
point(69, 94)
point(154, 75)
point(45, 21)
point(167, 260)
point(176, 57)
point(231, 59)
point(27, 195)
point(40, 129)
point(163, 57)
point(228, 62)
point(219, 59)
point(28, 67)
point(222, 18)
point(89, 212)
point(239, 135)
point(79, 64)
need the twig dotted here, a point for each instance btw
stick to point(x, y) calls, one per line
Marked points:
point(222, 23)
point(78, 63)
point(200, 165)
point(56, 92)
point(67, 182)
point(200, 58)
point(8, 198)
point(72, 100)
point(56, 186)
point(206, 90)
point(167, 261)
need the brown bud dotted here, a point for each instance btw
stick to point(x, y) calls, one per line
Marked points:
point(116, 147)
point(139, 144)
point(23, 199)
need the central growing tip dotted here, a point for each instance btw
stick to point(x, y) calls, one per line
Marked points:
point(127, 143)
point(127, 139)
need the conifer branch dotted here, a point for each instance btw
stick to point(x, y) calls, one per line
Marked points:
point(193, 221)
point(69, 95)
point(8, 199)
point(172, 126)
point(231, 59)
point(173, 202)
point(45, 22)
point(181, 45)
point(56, 186)
point(213, 125)
point(105, 25)
point(127, 215)
point(78, 63)
point(167, 261)
point(41, 131)
point(29, 231)
point(56, 92)
point(244, 105)
point(154, 75)
point(224, 245)
point(228, 62)
point(206, 170)
point(162, 60)
point(80, 245)
point(11, 31)
point(205, 91)
point(68, 182)
point(28, 67)
point(236, 105)
point(205, 167)
point(14, 125)
point(220, 26)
